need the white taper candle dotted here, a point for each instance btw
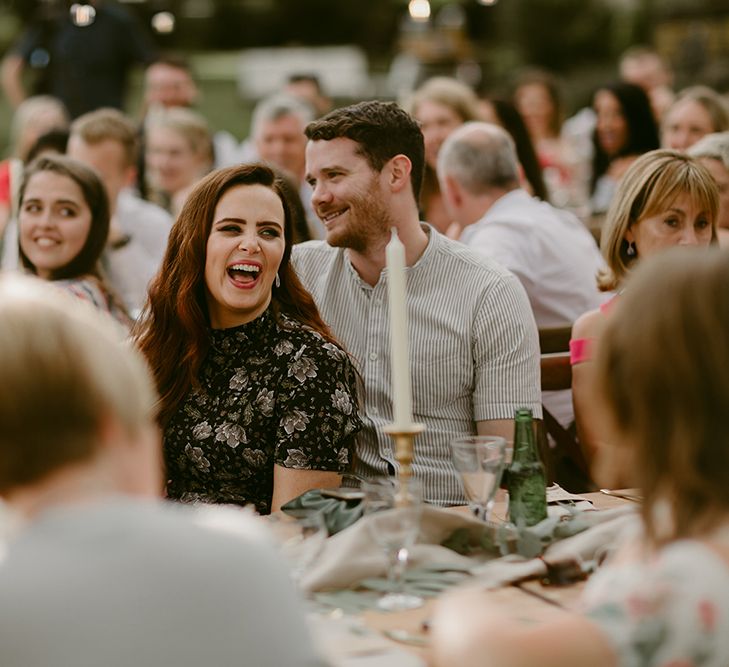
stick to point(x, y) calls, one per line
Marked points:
point(399, 358)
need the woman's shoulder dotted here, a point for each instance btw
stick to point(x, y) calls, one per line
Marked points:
point(92, 289)
point(689, 565)
point(588, 325)
point(669, 604)
point(86, 287)
point(301, 335)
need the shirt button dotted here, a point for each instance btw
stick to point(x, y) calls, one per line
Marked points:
point(373, 356)
point(378, 302)
point(374, 411)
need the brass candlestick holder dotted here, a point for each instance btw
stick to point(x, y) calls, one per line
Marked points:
point(404, 438)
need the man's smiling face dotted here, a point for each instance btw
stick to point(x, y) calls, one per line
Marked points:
point(348, 196)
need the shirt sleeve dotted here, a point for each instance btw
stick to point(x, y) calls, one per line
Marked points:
point(506, 353)
point(318, 409)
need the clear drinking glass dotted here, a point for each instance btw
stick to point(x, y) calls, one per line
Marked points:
point(394, 510)
point(300, 540)
point(479, 459)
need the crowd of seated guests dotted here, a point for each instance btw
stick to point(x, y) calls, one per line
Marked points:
point(257, 296)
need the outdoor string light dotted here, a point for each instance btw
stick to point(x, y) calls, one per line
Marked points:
point(82, 15)
point(419, 10)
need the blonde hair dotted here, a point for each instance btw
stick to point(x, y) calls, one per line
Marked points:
point(661, 366)
point(35, 116)
point(64, 369)
point(108, 124)
point(710, 100)
point(648, 187)
point(188, 124)
point(450, 93)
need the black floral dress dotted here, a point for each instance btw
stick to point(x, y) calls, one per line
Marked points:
point(269, 394)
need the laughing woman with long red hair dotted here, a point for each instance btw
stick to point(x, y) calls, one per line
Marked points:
point(258, 401)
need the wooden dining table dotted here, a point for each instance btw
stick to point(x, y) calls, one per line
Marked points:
point(533, 600)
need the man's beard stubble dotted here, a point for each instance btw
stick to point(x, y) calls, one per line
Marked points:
point(369, 222)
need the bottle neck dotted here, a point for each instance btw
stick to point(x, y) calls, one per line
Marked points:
point(525, 445)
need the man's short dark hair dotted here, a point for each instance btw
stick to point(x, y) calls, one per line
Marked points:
point(382, 130)
point(175, 61)
point(306, 77)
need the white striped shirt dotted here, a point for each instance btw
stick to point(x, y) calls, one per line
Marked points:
point(474, 350)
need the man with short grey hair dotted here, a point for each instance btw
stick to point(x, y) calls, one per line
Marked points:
point(549, 250)
point(712, 150)
point(277, 129)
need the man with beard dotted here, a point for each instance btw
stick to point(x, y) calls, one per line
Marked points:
point(473, 342)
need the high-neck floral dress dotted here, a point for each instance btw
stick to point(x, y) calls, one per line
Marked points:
point(270, 392)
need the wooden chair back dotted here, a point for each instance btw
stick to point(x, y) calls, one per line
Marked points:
point(561, 452)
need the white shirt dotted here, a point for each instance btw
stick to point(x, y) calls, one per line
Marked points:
point(551, 252)
point(554, 256)
point(132, 266)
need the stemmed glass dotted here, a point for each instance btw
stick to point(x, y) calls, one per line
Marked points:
point(394, 509)
point(480, 461)
point(300, 541)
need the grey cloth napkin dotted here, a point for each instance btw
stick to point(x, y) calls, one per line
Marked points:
point(353, 555)
point(580, 553)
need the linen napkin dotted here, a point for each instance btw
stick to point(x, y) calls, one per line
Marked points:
point(352, 555)
point(338, 513)
point(573, 557)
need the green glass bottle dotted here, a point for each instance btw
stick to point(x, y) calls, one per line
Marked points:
point(527, 480)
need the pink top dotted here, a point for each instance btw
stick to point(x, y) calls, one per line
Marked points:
point(581, 348)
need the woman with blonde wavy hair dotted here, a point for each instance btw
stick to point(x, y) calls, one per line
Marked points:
point(665, 199)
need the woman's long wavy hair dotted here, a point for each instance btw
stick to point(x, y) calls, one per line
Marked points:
point(642, 127)
point(173, 331)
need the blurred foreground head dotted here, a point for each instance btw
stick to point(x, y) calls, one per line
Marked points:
point(662, 365)
point(73, 395)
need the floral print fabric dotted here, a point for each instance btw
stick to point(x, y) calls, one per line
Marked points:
point(91, 289)
point(269, 394)
point(670, 612)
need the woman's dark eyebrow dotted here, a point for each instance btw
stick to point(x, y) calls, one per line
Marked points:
point(243, 221)
point(240, 221)
point(56, 201)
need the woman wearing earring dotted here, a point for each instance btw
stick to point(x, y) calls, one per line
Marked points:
point(665, 199)
point(258, 401)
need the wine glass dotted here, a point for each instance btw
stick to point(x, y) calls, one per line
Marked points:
point(479, 459)
point(300, 540)
point(393, 508)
